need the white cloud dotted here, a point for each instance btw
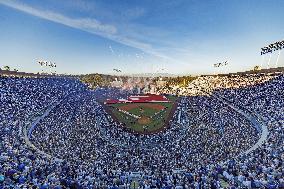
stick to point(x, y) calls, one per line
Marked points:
point(80, 23)
point(89, 25)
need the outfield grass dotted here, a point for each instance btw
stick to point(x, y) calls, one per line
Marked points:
point(155, 124)
point(146, 111)
point(172, 98)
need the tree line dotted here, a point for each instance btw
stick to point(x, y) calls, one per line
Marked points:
point(7, 68)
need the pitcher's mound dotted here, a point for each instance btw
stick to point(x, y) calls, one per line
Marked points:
point(144, 120)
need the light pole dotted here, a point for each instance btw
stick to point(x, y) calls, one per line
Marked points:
point(276, 46)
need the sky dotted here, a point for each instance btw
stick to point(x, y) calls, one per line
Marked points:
point(139, 36)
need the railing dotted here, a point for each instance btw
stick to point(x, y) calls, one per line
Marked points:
point(256, 120)
point(28, 129)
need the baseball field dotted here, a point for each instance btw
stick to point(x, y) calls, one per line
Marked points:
point(144, 117)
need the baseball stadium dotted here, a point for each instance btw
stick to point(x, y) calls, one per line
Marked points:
point(164, 94)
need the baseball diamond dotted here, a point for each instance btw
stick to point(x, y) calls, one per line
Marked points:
point(146, 118)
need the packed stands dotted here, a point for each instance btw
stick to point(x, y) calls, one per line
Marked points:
point(204, 147)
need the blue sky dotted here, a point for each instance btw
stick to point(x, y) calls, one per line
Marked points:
point(180, 36)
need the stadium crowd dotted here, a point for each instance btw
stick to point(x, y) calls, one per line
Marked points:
point(203, 147)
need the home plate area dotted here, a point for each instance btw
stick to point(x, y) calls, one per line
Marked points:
point(144, 120)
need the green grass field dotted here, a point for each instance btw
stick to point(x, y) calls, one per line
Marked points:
point(147, 111)
point(136, 111)
point(156, 123)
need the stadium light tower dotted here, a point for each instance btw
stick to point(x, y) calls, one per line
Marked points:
point(47, 64)
point(277, 46)
point(276, 64)
point(220, 65)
